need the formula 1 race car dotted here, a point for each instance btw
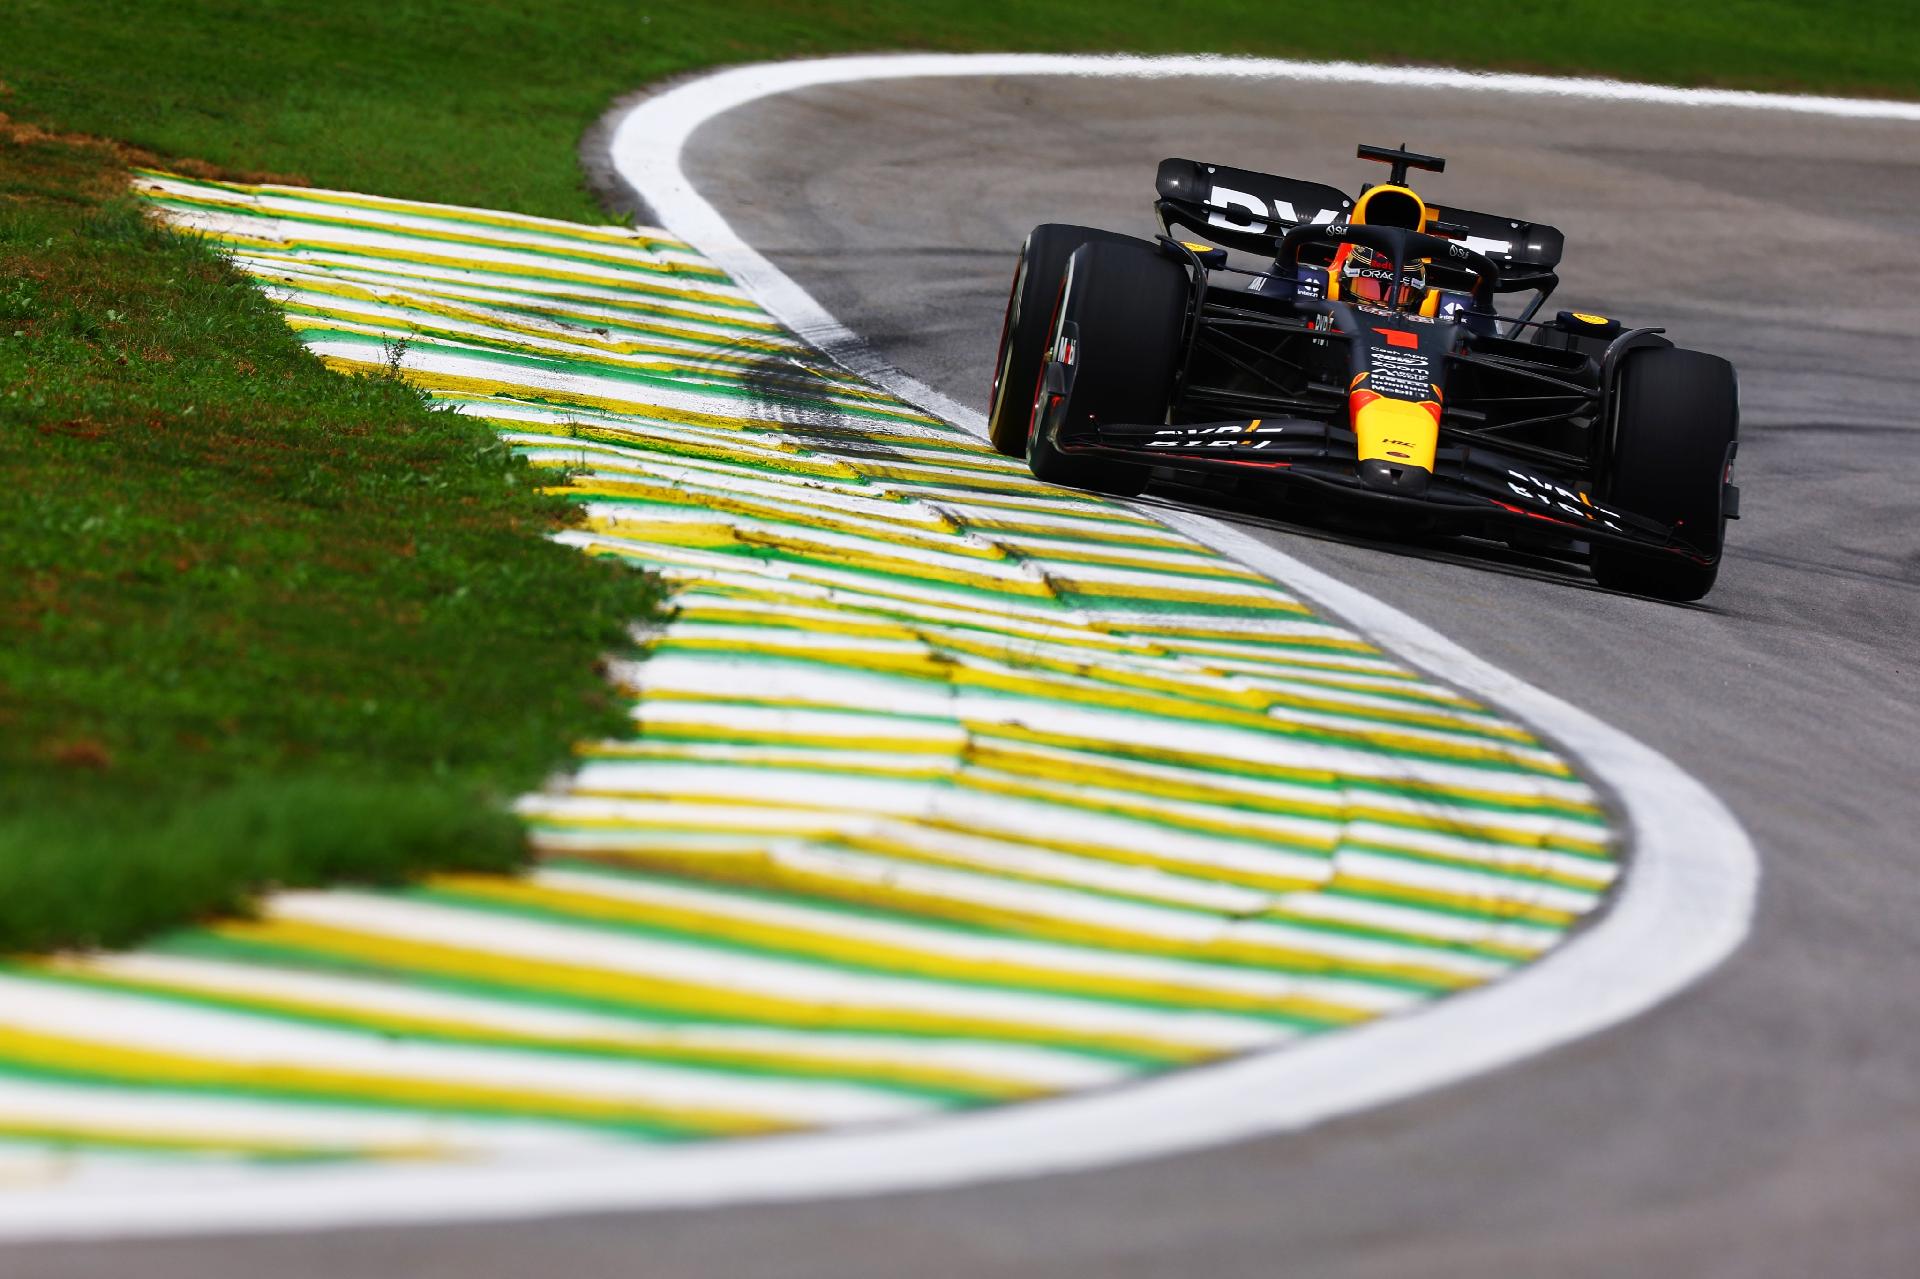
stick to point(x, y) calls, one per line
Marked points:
point(1368, 364)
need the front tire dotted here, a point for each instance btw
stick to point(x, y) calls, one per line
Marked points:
point(1678, 416)
point(1125, 306)
point(1023, 332)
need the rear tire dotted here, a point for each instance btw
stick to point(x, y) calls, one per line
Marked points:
point(1126, 304)
point(1023, 333)
point(1678, 413)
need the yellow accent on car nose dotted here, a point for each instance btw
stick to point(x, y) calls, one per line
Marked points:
point(1397, 431)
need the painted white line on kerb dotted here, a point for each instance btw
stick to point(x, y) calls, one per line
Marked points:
point(1683, 907)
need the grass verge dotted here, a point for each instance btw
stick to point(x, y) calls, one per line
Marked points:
point(259, 623)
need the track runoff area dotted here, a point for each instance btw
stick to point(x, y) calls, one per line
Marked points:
point(969, 827)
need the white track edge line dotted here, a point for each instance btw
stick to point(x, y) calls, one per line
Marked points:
point(1684, 905)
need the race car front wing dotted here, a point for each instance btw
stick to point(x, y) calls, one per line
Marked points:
point(1468, 480)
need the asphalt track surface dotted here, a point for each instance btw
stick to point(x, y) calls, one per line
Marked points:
point(1767, 1122)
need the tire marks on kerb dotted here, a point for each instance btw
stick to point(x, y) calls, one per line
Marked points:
point(951, 790)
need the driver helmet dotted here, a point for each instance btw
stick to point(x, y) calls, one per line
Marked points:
point(1368, 276)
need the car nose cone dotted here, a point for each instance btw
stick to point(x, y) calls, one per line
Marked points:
point(1395, 477)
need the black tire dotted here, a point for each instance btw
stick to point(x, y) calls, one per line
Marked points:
point(1023, 333)
point(1126, 305)
point(1678, 412)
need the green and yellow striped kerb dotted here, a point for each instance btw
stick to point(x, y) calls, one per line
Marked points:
point(944, 789)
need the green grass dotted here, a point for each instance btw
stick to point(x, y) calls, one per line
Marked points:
point(482, 102)
point(260, 624)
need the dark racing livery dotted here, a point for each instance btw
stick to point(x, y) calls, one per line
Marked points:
point(1368, 364)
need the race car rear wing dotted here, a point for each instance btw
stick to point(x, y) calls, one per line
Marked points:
point(1241, 209)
